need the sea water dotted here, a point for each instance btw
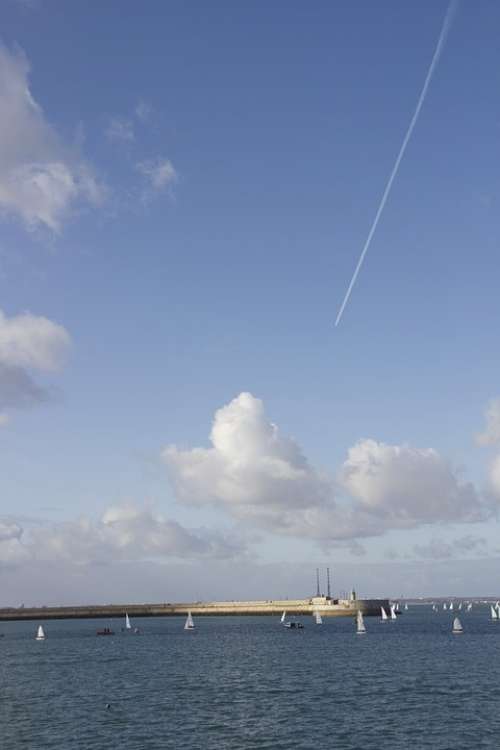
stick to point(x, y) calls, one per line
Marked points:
point(248, 682)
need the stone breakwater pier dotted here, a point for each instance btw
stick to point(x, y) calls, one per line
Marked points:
point(325, 605)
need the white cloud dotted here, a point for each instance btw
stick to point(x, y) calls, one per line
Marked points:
point(28, 344)
point(28, 340)
point(160, 173)
point(406, 485)
point(40, 180)
point(491, 434)
point(251, 469)
point(261, 477)
point(120, 129)
point(123, 533)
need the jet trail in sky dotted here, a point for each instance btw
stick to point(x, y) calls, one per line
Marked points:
point(435, 59)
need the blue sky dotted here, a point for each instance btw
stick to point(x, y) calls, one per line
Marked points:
point(224, 164)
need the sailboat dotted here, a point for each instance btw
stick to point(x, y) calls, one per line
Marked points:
point(451, 606)
point(469, 606)
point(444, 605)
point(393, 612)
point(128, 626)
point(360, 624)
point(494, 614)
point(406, 606)
point(40, 634)
point(189, 624)
point(283, 617)
point(460, 605)
point(384, 614)
point(457, 626)
point(317, 618)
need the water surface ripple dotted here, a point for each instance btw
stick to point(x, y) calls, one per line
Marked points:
point(243, 683)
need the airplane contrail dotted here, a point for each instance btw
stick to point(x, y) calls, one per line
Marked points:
point(435, 59)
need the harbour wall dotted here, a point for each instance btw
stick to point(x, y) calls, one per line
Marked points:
point(325, 606)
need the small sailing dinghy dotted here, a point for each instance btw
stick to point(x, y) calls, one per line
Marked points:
point(444, 605)
point(393, 612)
point(406, 607)
point(189, 624)
point(360, 623)
point(283, 617)
point(469, 606)
point(317, 618)
point(40, 634)
point(128, 626)
point(460, 605)
point(451, 607)
point(384, 614)
point(494, 614)
point(457, 626)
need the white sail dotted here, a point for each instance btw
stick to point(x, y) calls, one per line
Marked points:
point(469, 606)
point(451, 606)
point(494, 613)
point(189, 624)
point(360, 629)
point(406, 606)
point(393, 612)
point(383, 613)
point(457, 626)
point(283, 617)
point(128, 626)
point(40, 634)
point(444, 605)
point(317, 618)
point(460, 605)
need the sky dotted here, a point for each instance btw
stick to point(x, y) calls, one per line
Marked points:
point(185, 190)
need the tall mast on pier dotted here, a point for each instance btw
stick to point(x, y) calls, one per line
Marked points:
point(317, 582)
point(328, 592)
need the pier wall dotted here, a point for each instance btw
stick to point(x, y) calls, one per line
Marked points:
point(326, 607)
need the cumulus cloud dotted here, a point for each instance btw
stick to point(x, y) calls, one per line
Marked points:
point(120, 129)
point(28, 344)
point(252, 470)
point(41, 181)
point(123, 533)
point(262, 477)
point(408, 485)
point(159, 173)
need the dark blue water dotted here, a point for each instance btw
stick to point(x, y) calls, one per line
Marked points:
point(249, 683)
